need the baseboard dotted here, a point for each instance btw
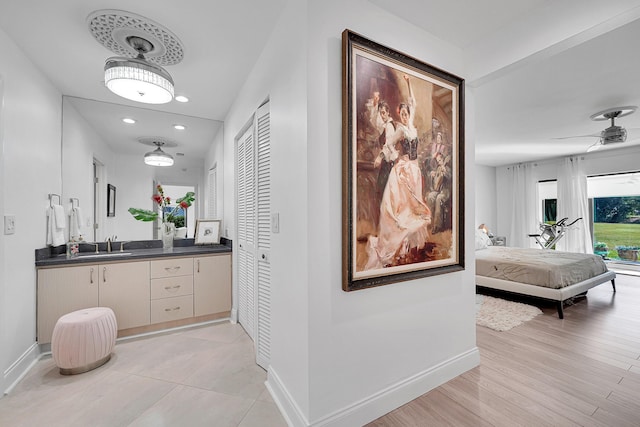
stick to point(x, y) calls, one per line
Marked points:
point(288, 407)
point(378, 404)
point(18, 369)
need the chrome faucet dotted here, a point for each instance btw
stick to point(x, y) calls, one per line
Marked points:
point(110, 240)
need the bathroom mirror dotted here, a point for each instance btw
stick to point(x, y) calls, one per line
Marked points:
point(97, 145)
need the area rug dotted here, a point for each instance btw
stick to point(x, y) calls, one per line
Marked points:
point(502, 315)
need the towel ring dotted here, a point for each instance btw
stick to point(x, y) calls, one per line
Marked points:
point(51, 196)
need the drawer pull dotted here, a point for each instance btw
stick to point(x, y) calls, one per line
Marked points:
point(172, 269)
point(170, 288)
point(91, 275)
point(172, 309)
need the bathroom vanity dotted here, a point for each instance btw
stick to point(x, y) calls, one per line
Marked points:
point(148, 289)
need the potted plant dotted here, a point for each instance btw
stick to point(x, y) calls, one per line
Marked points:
point(600, 248)
point(628, 253)
point(169, 214)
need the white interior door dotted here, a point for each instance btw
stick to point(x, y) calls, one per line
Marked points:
point(246, 220)
point(253, 210)
point(263, 211)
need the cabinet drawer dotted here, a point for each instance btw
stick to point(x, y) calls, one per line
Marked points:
point(171, 287)
point(166, 309)
point(171, 267)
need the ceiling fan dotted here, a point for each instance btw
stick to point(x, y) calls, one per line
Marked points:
point(613, 134)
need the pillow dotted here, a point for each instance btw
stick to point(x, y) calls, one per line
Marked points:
point(482, 240)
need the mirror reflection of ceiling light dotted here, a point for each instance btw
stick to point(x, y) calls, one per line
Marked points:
point(128, 120)
point(179, 127)
point(158, 157)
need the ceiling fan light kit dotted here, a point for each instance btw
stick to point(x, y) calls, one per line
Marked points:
point(158, 157)
point(614, 133)
point(145, 46)
point(138, 80)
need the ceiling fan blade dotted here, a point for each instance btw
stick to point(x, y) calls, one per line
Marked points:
point(593, 135)
point(595, 146)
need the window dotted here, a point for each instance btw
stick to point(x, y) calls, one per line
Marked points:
point(615, 218)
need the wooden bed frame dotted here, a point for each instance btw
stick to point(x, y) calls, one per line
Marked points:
point(557, 295)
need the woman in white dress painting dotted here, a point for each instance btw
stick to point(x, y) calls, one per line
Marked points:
point(404, 216)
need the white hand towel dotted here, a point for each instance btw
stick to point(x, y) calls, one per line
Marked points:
point(55, 235)
point(50, 225)
point(74, 230)
point(60, 220)
point(79, 217)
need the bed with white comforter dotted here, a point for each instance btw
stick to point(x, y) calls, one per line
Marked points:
point(542, 273)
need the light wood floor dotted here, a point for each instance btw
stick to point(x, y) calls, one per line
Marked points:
point(580, 371)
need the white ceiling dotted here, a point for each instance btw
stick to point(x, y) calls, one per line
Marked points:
point(536, 69)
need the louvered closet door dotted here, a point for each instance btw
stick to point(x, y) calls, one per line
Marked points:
point(263, 210)
point(246, 201)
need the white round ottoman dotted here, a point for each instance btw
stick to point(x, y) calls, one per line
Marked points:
point(82, 340)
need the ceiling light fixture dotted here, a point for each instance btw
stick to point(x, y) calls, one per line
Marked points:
point(158, 157)
point(181, 98)
point(128, 120)
point(137, 79)
point(179, 127)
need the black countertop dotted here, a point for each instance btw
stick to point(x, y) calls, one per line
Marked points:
point(133, 251)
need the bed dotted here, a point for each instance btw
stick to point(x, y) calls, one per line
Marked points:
point(541, 273)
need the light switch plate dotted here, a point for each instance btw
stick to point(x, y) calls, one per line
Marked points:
point(9, 224)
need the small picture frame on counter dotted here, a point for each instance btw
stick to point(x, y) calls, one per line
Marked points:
point(207, 232)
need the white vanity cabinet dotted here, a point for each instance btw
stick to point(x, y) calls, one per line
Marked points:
point(172, 289)
point(145, 295)
point(212, 284)
point(61, 291)
point(123, 287)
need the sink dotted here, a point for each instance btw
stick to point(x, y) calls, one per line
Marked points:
point(105, 255)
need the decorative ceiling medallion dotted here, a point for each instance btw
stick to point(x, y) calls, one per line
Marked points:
point(112, 28)
point(151, 140)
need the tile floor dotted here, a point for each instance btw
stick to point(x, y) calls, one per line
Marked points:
point(204, 376)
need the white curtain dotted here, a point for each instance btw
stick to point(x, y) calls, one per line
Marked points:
point(573, 203)
point(524, 212)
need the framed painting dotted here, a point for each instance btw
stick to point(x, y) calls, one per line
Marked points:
point(403, 166)
point(207, 232)
point(111, 200)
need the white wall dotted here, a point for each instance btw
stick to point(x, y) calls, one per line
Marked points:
point(623, 159)
point(30, 165)
point(485, 181)
point(342, 358)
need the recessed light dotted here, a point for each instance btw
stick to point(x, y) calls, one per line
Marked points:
point(128, 120)
point(179, 127)
point(181, 98)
